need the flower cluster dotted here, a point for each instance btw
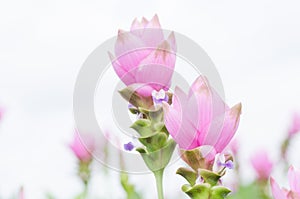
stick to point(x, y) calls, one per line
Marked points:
point(199, 121)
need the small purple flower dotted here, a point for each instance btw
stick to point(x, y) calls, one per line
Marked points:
point(130, 106)
point(159, 97)
point(229, 164)
point(129, 146)
point(221, 163)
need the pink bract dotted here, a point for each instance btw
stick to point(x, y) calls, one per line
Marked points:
point(294, 181)
point(82, 146)
point(262, 164)
point(201, 117)
point(144, 57)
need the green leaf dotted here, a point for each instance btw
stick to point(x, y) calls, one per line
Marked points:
point(200, 191)
point(159, 159)
point(190, 175)
point(49, 196)
point(209, 176)
point(128, 187)
point(249, 192)
point(219, 192)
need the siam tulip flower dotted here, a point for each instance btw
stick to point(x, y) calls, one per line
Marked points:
point(233, 147)
point(83, 147)
point(201, 118)
point(1, 112)
point(262, 164)
point(21, 193)
point(294, 181)
point(295, 127)
point(144, 57)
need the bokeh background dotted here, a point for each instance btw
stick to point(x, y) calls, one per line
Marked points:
point(255, 46)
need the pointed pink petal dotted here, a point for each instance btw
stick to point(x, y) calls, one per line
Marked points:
point(137, 28)
point(295, 127)
point(153, 34)
point(157, 69)
point(210, 107)
point(229, 124)
point(126, 77)
point(154, 22)
point(136, 24)
point(294, 179)
point(178, 126)
point(130, 50)
point(144, 22)
point(172, 119)
point(277, 192)
point(148, 31)
point(172, 42)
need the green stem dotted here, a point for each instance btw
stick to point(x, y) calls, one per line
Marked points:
point(159, 182)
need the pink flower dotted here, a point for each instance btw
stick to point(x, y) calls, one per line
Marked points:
point(83, 146)
point(294, 181)
point(233, 147)
point(2, 110)
point(201, 117)
point(262, 164)
point(144, 56)
point(21, 193)
point(295, 126)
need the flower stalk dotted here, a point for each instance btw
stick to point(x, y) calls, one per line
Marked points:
point(159, 183)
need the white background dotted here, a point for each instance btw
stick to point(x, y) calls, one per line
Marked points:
point(254, 44)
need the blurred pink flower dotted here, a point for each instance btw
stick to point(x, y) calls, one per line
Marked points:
point(201, 117)
point(295, 126)
point(233, 147)
point(262, 164)
point(83, 146)
point(21, 193)
point(2, 110)
point(294, 181)
point(144, 56)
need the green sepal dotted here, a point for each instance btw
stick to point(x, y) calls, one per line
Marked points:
point(209, 176)
point(160, 158)
point(134, 98)
point(150, 126)
point(143, 127)
point(190, 175)
point(199, 191)
point(134, 110)
point(195, 159)
point(219, 192)
point(155, 142)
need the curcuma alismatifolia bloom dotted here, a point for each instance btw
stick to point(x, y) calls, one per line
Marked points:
point(83, 147)
point(1, 112)
point(294, 181)
point(262, 165)
point(144, 58)
point(295, 126)
point(201, 118)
